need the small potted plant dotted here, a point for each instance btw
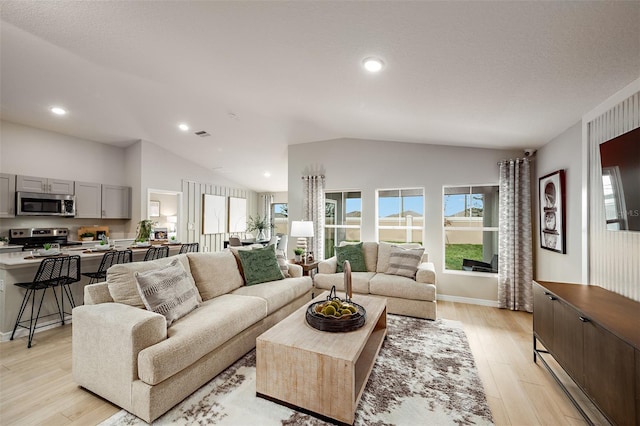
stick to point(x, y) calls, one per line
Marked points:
point(173, 240)
point(299, 252)
point(87, 236)
point(3, 241)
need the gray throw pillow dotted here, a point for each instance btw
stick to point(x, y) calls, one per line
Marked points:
point(260, 265)
point(168, 291)
point(353, 253)
point(404, 261)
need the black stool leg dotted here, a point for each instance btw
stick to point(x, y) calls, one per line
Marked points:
point(32, 329)
point(25, 300)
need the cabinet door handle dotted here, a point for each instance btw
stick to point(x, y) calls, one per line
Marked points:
point(584, 319)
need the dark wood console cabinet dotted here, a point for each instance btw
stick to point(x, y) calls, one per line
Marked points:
point(594, 335)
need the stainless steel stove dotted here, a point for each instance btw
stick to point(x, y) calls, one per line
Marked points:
point(35, 238)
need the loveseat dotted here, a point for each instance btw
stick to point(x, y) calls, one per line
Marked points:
point(415, 296)
point(127, 354)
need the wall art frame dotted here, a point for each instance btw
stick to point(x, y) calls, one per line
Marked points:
point(214, 214)
point(551, 193)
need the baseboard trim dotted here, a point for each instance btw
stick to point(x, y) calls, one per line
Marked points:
point(23, 332)
point(468, 300)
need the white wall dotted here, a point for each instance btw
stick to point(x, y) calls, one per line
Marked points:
point(563, 152)
point(365, 165)
point(33, 152)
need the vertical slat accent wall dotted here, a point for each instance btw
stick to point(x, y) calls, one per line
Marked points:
point(192, 208)
point(613, 255)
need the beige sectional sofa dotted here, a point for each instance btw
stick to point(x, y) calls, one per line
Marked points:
point(405, 296)
point(127, 355)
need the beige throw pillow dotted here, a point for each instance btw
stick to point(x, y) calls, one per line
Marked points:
point(281, 257)
point(169, 291)
point(404, 261)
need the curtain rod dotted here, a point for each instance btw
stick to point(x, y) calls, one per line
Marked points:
point(313, 177)
point(510, 160)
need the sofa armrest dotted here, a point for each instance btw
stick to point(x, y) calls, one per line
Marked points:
point(426, 273)
point(97, 293)
point(295, 270)
point(328, 266)
point(106, 340)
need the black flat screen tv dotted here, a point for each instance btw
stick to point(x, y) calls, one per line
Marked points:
point(620, 161)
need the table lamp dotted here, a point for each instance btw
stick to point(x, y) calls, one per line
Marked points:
point(302, 229)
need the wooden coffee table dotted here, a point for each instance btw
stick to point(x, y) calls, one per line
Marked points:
point(318, 371)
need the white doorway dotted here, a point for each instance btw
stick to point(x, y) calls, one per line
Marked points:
point(164, 208)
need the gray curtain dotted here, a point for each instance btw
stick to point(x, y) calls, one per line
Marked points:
point(515, 273)
point(313, 188)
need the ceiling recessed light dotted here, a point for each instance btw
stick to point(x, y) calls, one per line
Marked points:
point(267, 174)
point(373, 64)
point(58, 110)
point(183, 127)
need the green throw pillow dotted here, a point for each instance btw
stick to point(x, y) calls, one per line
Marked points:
point(260, 265)
point(353, 253)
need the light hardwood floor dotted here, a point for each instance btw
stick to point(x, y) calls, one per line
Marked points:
point(36, 386)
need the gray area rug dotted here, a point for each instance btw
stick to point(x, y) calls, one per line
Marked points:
point(424, 375)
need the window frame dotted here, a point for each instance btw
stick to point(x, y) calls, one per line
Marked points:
point(336, 227)
point(482, 229)
point(421, 228)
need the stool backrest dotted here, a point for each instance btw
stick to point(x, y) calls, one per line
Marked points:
point(111, 258)
point(156, 253)
point(190, 248)
point(57, 268)
point(235, 242)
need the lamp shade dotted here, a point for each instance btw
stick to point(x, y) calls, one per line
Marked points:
point(302, 228)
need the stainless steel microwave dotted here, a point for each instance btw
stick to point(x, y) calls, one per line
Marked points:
point(37, 204)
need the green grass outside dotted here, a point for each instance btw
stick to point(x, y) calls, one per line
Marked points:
point(454, 253)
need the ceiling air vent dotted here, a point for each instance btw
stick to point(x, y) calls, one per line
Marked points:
point(202, 134)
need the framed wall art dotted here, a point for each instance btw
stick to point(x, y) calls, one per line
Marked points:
point(237, 215)
point(154, 208)
point(552, 212)
point(214, 214)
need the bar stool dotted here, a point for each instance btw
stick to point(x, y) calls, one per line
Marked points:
point(157, 252)
point(109, 259)
point(190, 248)
point(52, 272)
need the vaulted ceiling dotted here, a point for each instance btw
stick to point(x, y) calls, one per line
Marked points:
point(259, 76)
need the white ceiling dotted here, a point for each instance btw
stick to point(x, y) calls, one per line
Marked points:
point(259, 76)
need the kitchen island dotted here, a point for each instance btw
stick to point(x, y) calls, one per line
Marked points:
point(21, 267)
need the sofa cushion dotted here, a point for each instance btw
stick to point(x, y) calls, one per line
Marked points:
point(260, 265)
point(122, 282)
point(281, 257)
point(277, 293)
point(384, 252)
point(359, 281)
point(402, 287)
point(404, 261)
point(190, 338)
point(353, 253)
point(168, 291)
point(214, 273)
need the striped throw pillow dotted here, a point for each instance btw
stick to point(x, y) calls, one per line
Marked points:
point(168, 291)
point(281, 257)
point(404, 261)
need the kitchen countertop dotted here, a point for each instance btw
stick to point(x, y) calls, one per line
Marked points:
point(17, 259)
point(9, 246)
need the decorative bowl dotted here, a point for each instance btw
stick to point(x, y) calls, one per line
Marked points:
point(100, 247)
point(50, 252)
point(145, 244)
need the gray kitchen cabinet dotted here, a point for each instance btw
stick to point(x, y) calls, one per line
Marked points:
point(7, 195)
point(44, 185)
point(116, 202)
point(88, 200)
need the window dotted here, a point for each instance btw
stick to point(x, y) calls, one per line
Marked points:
point(400, 215)
point(471, 228)
point(343, 218)
point(614, 205)
point(280, 218)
